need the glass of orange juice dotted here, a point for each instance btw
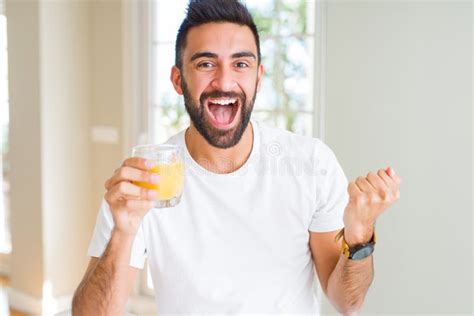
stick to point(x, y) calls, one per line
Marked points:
point(169, 166)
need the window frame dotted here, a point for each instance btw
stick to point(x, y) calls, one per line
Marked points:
point(5, 213)
point(136, 92)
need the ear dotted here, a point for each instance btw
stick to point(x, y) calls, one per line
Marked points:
point(176, 79)
point(260, 72)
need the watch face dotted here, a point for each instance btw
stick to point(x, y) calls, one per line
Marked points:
point(363, 253)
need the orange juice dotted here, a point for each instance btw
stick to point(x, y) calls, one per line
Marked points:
point(171, 180)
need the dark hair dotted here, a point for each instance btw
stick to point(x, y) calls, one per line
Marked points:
point(207, 11)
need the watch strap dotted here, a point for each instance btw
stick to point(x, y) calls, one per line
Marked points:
point(359, 251)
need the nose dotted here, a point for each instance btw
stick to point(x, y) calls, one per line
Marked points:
point(224, 80)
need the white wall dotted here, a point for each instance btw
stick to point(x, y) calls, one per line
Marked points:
point(25, 151)
point(49, 69)
point(65, 68)
point(399, 93)
point(66, 163)
point(107, 91)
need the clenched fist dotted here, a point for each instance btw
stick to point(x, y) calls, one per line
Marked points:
point(129, 202)
point(369, 197)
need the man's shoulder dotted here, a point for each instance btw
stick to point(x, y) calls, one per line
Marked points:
point(275, 138)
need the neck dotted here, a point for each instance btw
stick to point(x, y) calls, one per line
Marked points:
point(215, 159)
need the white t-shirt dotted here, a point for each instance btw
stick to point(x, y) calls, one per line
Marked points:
point(239, 242)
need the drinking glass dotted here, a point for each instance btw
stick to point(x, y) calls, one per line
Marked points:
point(169, 166)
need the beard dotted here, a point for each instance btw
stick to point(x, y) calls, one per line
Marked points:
point(217, 137)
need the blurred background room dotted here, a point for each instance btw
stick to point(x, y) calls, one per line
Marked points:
point(381, 82)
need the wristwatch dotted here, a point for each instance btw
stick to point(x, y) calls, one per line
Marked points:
point(359, 251)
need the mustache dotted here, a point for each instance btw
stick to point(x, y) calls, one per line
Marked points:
point(221, 94)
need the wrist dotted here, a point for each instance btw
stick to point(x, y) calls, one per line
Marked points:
point(356, 235)
point(122, 236)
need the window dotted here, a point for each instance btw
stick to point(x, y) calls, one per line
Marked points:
point(286, 36)
point(287, 40)
point(168, 115)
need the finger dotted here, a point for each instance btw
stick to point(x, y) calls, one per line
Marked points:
point(364, 185)
point(126, 190)
point(392, 179)
point(377, 181)
point(139, 163)
point(385, 177)
point(353, 189)
point(391, 172)
point(132, 174)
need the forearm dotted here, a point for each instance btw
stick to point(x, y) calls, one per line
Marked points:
point(349, 282)
point(369, 196)
point(104, 290)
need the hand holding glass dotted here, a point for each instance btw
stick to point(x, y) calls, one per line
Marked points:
point(169, 165)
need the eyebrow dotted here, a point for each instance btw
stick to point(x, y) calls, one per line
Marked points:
point(214, 56)
point(244, 54)
point(203, 54)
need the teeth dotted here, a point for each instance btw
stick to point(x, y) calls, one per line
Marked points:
point(223, 101)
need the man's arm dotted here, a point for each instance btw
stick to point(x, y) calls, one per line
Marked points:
point(108, 280)
point(345, 282)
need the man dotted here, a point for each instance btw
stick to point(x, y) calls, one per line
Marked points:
point(261, 206)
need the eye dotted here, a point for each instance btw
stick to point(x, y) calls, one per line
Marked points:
point(205, 65)
point(241, 64)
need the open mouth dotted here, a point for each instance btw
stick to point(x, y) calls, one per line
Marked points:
point(222, 111)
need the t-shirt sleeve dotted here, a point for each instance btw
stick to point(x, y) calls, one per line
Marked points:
point(331, 192)
point(101, 236)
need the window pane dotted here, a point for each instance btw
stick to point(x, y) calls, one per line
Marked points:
point(169, 15)
point(282, 17)
point(288, 69)
point(287, 55)
point(298, 67)
point(163, 57)
point(168, 115)
point(303, 124)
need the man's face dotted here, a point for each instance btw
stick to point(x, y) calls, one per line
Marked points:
point(219, 80)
